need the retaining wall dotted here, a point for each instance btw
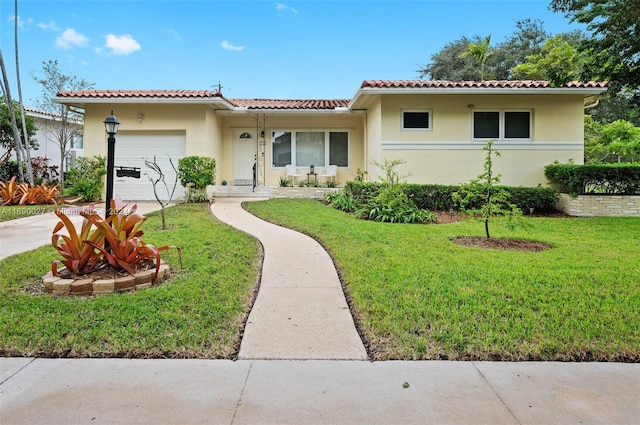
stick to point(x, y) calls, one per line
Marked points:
point(302, 192)
point(599, 205)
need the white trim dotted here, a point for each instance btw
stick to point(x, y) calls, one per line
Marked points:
point(502, 125)
point(499, 144)
point(327, 148)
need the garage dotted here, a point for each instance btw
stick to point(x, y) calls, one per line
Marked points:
point(133, 148)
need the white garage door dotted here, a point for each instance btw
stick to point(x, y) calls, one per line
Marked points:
point(131, 151)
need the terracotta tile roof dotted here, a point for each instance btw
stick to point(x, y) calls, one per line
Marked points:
point(474, 84)
point(140, 94)
point(291, 103)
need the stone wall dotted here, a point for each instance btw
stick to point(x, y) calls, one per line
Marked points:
point(599, 205)
point(302, 192)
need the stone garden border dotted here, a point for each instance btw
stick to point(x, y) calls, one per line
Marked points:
point(59, 287)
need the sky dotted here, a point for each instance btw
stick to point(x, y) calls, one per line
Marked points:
point(254, 49)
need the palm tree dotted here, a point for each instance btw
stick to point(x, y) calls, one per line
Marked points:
point(12, 115)
point(480, 51)
point(25, 146)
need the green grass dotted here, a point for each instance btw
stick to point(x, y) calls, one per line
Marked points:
point(417, 295)
point(199, 313)
point(21, 211)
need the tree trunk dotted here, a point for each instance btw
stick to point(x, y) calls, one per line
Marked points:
point(12, 115)
point(26, 146)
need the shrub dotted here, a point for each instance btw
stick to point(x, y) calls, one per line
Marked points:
point(195, 174)
point(623, 179)
point(342, 200)
point(437, 197)
point(284, 182)
point(85, 179)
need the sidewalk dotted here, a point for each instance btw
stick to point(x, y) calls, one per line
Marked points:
point(298, 292)
point(120, 391)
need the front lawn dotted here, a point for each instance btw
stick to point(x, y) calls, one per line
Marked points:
point(417, 295)
point(198, 313)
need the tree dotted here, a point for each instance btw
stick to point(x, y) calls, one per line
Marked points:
point(483, 197)
point(480, 52)
point(19, 147)
point(558, 62)
point(7, 142)
point(448, 64)
point(23, 122)
point(53, 80)
point(153, 165)
point(615, 41)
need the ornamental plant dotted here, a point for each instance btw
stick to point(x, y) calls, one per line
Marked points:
point(195, 174)
point(122, 232)
point(76, 249)
point(13, 193)
point(85, 251)
point(482, 197)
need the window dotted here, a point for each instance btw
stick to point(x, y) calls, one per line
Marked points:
point(281, 144)
point(502, 125)
point(306, 148)
point(416, 120)
point(339, 148)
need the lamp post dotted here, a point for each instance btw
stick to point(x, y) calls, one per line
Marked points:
point(111, 124)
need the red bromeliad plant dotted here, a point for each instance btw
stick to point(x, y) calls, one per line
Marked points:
point(79, 254)
point(122, 233)
point(85, 252)
point(9, 192)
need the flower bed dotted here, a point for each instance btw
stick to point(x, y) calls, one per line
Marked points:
point(60, 286)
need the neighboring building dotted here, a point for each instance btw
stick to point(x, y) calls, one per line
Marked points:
point(48, 144)
point(438, 127)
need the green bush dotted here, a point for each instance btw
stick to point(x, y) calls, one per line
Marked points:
point(85, 179)
point(342, 200)
point(623, 179)
point(197, 171)
point(437, 197)
point(392, 205)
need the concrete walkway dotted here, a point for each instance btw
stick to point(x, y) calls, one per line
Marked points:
point(301, 312)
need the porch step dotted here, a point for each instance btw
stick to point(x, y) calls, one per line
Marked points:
point(234, 191)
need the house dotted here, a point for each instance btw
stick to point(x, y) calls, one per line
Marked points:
point(437, 127)
point(48, 147)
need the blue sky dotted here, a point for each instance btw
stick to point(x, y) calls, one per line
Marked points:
point(256, 49)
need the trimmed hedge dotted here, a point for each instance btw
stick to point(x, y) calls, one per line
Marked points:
point(437, 197)
point(622, 179)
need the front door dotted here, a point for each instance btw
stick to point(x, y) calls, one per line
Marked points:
point(244, 156)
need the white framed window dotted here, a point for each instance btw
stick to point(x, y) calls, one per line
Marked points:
point(416, 120)
point(502, 125)
point(304, 148)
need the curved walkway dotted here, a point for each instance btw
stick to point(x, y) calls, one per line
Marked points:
point(300, 311)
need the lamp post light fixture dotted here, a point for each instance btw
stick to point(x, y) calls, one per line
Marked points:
point(111, 125)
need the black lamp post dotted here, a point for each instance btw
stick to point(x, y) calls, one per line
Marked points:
point(111, 126)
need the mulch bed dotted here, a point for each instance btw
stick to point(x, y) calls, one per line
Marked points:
point(504, 244)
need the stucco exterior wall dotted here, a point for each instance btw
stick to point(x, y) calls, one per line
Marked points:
point(232, 124)
point(374, 138)
point(447, 153)
point(193, 119)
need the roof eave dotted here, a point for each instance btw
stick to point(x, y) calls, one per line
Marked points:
point(81, 101)
point(585, 91)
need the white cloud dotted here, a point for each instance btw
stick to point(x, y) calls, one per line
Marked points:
point(51, 25)
point(122, 44)
point(70, 38)
point(228, 46)
point(173, 34)
point(282, 6)
point(21, 22)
